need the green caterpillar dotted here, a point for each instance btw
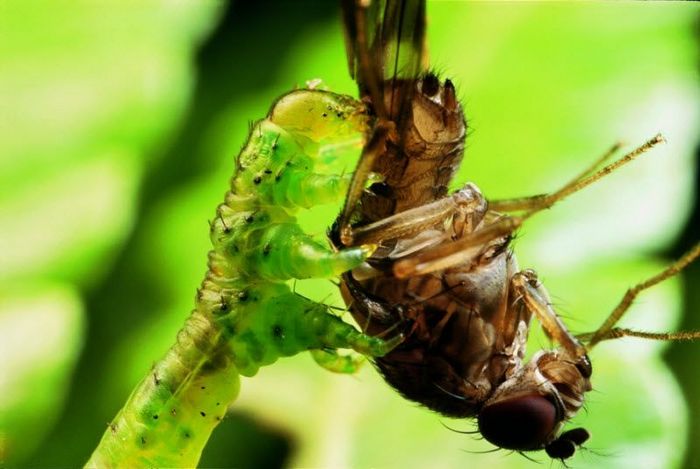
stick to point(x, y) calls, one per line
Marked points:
point(246, 316)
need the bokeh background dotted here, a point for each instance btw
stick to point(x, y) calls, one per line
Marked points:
point(119, 122)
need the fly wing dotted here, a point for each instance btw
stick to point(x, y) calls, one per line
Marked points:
point(385, 42)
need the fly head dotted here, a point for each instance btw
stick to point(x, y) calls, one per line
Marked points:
point(528, 410)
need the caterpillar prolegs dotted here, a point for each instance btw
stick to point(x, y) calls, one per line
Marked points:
point(245, 314)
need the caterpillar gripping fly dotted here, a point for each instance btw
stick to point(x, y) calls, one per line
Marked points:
point(245, 314)
point(444, 274)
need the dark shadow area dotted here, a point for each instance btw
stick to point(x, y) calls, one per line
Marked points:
point(241, 55)
point(684, 357)
point(265, 448)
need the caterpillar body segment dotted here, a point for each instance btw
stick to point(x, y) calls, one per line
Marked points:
point(337, 363)
point(245, 314)
point(170, 415)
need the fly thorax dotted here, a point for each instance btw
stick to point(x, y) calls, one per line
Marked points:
point(403, 247)
point(568, 378)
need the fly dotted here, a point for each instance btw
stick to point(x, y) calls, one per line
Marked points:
point(444, 275)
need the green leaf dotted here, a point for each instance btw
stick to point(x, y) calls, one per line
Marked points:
point(41, 332)
point(89, 92)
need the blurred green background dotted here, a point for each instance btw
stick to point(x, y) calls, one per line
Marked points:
point(119, 122)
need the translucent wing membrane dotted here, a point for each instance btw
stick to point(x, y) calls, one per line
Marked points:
point(385, 42)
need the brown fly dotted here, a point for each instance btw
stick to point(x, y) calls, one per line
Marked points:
point(444, 274)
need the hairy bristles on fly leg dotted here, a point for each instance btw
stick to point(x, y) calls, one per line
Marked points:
point(585, 179)
point(605, 331)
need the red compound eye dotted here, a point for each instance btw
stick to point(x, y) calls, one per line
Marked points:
point(521, 423)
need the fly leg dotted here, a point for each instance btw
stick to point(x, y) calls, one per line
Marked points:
point(375, 147)
point(360, 61)
point(528, 289)
point(377, 31)
point(473, 245)
point(608, 330)
point(375, 316)
point(466, 207)
point(586, 178)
